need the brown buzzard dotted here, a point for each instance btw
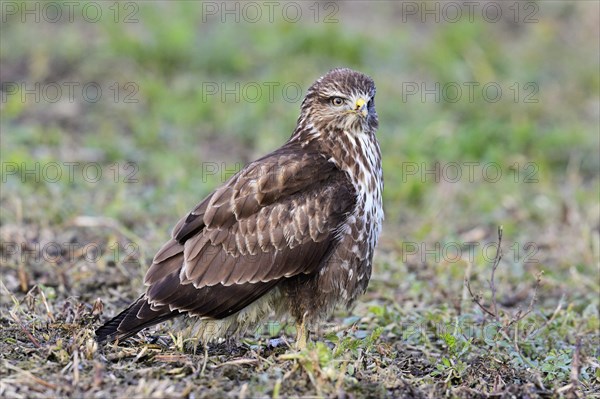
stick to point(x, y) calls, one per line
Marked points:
point(293, 233)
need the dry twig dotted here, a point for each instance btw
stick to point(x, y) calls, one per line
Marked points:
point(492, 278)
point(32, 378)
point(576, 366)
point(22, 327)
point(478, 298)
point(493, 312)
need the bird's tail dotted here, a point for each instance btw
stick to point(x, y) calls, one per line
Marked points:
point(130, 321)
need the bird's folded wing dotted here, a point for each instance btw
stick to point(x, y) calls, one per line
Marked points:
point(279, 217)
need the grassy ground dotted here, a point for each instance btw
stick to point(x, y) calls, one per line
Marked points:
point(92, 184)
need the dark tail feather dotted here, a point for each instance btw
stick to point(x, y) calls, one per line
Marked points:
point(128, 323)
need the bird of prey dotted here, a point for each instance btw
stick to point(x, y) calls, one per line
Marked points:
point(292, 234)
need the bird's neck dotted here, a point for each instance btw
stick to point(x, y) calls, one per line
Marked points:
point(356, 153)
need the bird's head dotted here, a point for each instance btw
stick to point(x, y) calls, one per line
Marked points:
point(343, 99)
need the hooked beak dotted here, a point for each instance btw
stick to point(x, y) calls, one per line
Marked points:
point(361, 107)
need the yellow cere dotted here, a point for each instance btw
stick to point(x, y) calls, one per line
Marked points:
point(360, 106)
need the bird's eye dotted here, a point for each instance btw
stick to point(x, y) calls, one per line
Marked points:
point(337, 101)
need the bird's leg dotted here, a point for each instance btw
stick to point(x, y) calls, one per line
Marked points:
point(195, 342)
point(302, 333)
point(205, 360)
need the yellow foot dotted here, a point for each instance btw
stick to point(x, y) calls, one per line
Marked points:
point(205, 360)
point(302, 334)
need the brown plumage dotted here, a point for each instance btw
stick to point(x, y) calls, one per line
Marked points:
point(292, 233)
